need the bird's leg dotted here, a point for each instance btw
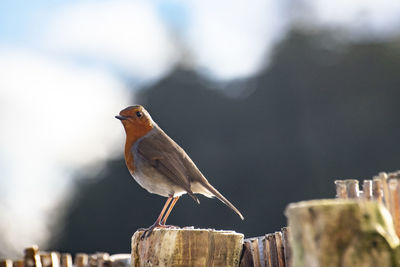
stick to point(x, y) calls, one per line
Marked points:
point(175, 199)
point(148, 231)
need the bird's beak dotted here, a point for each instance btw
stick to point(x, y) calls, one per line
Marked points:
point(121, 118)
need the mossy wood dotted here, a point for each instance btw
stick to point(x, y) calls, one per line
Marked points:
point(187, 247)
point(342, 233)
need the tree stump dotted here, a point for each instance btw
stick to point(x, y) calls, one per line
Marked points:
point(187, 247)
point(342, 233)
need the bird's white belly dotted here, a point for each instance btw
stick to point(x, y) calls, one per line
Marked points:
point(156, 183)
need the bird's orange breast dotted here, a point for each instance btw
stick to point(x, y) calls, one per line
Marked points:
point(132, 136)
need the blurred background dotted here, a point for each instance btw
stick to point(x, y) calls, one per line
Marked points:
point(273, 100)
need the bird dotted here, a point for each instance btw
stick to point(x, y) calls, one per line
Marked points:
point(160, 165)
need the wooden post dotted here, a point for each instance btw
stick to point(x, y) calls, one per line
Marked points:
point(279, 249)
point(367, 189)
point(255, 251)
point(6, 263)
point(32, 257)
point(187, 247)
point(18, 263)
point(385, 188)
point(45, 259)
point(92, 262)
point(272, 251)
point(286, 246)
point(55, 259)
point(265, 251)
point(66, 260)
point(336, 232)
point(352, 188)
point(49, 259)
point(100, 258)
point(81, 260)
point(246, 259)
point(377, 189)
point(341, 189)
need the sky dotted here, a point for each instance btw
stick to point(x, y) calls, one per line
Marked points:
point(67, 67)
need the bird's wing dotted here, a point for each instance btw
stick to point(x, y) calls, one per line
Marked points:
point(167, 157)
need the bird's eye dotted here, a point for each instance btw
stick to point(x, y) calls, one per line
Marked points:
point(139, 114)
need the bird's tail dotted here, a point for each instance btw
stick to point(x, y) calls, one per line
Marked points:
point(218, 195)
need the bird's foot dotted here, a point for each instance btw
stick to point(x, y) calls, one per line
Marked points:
point(147, 231)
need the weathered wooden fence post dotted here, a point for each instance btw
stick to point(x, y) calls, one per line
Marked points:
point(81, 260)
point(342, 233)
point(32, 257)
point(187, 247)
point(6, 263)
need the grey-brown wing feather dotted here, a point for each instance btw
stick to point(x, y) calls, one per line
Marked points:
point(167, 157)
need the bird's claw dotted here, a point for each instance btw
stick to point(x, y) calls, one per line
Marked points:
point(147, 231)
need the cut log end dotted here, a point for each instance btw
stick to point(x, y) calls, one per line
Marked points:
point(187, 247)
point(342, 233)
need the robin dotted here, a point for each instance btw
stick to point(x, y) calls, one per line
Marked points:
point(160, 165)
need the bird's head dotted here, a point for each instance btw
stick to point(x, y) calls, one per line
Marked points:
point(136, 120)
